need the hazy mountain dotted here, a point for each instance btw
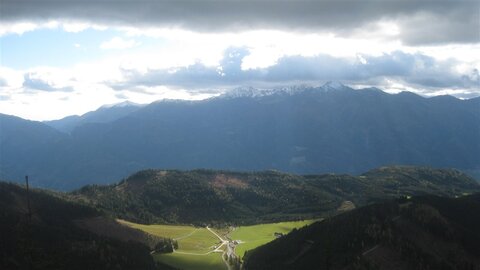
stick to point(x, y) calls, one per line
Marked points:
point(300, 129)
point(29, 147)
point(104, 114)
point(417, 233)
point(208, 196)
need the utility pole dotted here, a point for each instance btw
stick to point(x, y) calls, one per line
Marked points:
point(28, 199)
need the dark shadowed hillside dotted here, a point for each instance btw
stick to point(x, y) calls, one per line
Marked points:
point(207, 196)
point(61, 234)
point(418, 233)
point(302, 130)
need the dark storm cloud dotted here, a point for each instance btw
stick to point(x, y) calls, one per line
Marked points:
point(421, 22)
point(414, 70)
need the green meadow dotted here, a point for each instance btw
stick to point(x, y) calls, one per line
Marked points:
point(170, 231)
point(190, 239)
point(254, 236)
point(212, 261)
point(196, 245)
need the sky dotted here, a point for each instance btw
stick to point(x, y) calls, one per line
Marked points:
point(66, 57)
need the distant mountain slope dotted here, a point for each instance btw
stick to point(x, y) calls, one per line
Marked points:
point(29, 147)
point(420, 233)
point(206, 196)
point(103, 114)
point(302, 130)
point(62, 234)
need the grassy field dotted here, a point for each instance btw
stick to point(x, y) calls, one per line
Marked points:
point(189, 238)
point(170, 231)
point(212, 261)
point(195, 244)
point(256, 235)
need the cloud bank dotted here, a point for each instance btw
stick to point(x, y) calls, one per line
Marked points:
point(416, 71)
point(419, 21)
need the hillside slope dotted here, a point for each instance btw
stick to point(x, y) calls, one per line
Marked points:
point(207, 196)
point(61, 234)
point(419, 233)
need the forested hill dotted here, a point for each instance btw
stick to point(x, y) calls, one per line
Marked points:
point(406, 234)
point(62, 234)
point(207, 196)
point(303, 130)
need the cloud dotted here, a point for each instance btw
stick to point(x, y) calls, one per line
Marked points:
point(419, 22)
point(18, 28)
point(35, 81)
point(10, 78)
point(3, 82)
point(118, 43)
point(412, 71)
point(75, 27)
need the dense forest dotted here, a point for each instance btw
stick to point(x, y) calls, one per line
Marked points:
point(425, 232)
point(208, 197)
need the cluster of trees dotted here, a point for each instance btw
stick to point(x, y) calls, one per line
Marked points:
point(166, 245)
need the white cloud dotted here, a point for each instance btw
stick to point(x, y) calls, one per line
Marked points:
point(20, 28)
point(118, 43)
point(17, 28)
point(12, 79)
point(171, 50)
point(75, 27)
point(54, 105)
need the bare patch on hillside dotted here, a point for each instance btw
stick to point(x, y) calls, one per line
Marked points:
point(346, 206)
point(223, 181)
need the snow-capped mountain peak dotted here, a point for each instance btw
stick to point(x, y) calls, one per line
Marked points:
point(333, 85)
point(245, 91)
point(255, 92)
point(251, 92)
point(122, 104)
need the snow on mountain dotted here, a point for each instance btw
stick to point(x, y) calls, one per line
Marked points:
point(122, 104)
point(251, 92)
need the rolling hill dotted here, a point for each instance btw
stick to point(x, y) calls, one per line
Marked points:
point(218, 197)
point(426, 232)
point(62, 234)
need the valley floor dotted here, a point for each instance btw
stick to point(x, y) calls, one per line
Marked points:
point(207, 248)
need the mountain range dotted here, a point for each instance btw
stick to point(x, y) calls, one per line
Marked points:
point(304, 130)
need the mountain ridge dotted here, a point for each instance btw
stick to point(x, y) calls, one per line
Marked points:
point(348, 131)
